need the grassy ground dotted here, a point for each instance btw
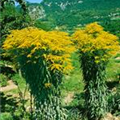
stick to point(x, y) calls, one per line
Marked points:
point(113, 69)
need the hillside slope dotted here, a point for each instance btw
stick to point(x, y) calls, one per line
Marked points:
point(75, 13)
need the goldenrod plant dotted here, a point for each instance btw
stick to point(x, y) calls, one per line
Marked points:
point(43, 58)
point(95, 47)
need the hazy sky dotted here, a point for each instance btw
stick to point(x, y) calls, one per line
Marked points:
point(34, 1)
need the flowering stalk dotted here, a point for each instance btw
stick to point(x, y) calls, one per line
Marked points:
point(95, 48)
point(43, 57)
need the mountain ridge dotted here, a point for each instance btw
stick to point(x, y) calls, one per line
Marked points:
point(76, 13)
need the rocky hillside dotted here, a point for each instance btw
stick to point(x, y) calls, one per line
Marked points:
point(36, 11)
point(77, 12)
point(62, 5)
point(72, 13)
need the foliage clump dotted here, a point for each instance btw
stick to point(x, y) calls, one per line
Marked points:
point(3, 80)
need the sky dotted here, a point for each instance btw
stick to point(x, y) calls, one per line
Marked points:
point(34, 1)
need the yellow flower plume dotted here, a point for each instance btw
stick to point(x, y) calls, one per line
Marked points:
point(54, 47)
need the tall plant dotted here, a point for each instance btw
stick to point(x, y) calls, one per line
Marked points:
point(43, 57)
point(95, 48)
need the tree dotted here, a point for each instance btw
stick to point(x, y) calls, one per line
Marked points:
point(12, 18)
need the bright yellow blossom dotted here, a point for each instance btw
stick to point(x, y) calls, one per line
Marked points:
point(54, 47)
point(94, 41)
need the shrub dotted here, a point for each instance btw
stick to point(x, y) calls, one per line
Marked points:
point(6, 116)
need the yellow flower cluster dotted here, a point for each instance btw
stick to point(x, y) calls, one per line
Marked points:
point(94, 41)
point(54, 46)
point(48, 85)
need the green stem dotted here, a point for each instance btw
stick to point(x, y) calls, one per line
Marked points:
point(95, 88)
